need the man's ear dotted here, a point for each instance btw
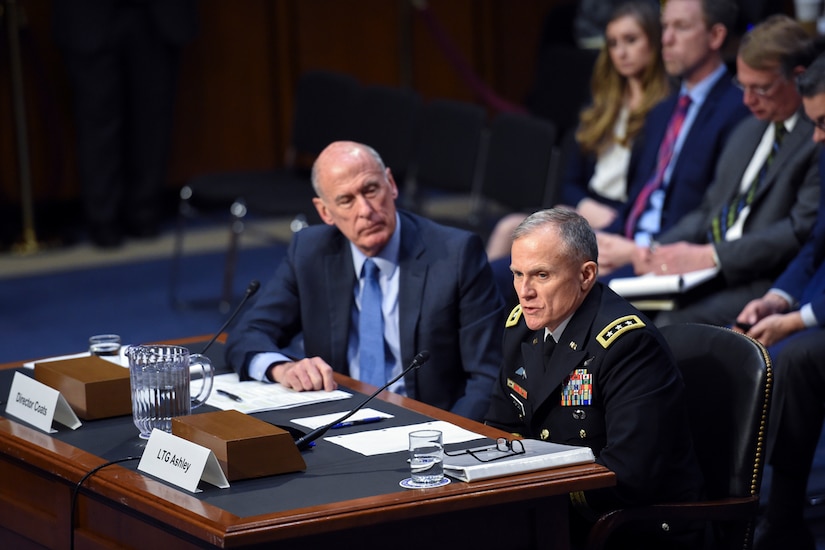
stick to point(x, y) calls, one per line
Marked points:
point(589, 272)
point(322, 210)
point(392, 183)
point(718, 33)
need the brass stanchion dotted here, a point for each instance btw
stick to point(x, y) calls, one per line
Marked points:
point(28, 244)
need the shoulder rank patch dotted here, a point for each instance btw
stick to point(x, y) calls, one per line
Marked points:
point(515, 315)
point(611, 332)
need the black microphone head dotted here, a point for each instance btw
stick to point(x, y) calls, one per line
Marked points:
point(253, 287)
point(422, 357)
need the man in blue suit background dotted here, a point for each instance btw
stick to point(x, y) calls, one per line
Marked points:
point(436, 285)
point(676, 155)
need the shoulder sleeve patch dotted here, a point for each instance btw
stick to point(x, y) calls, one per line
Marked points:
point(611, 332)
point(515, 315)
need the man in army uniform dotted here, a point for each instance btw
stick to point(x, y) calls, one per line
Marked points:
point(583, 367)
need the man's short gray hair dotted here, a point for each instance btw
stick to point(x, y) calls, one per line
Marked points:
point(576, 234)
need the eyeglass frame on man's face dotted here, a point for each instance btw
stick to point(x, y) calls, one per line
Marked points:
point(758, 91)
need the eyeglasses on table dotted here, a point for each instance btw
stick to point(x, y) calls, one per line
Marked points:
point(505, 447)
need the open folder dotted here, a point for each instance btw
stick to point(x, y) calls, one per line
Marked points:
point(658, 291)
point(538, 455)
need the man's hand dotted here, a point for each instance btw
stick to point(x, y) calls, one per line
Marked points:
point(615, 251)
point(598, 215)
point(758, 309)
point(680, 257)
point(312, 373)
point(775, 327)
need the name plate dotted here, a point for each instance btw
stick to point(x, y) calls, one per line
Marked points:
point(39, 405)
point(181, 462)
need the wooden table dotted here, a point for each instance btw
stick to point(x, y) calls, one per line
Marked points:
point(119, 507)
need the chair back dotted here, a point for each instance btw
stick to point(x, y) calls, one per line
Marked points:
point(322, 103)
point(386, 119)
point(448, 146)
point(518, 162)
point(561, 99)
point(728, 378)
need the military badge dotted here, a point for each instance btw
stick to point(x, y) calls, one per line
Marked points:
point(515, 315)
point(519, 405)
point(577, 389)
point(611, 332)
point(516, 388)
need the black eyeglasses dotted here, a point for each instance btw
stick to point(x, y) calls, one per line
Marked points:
point(503, 448)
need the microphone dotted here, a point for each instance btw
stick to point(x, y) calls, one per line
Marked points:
point(303, 442)
point(250, 291)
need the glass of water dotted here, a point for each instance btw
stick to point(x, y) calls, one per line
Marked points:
point(426, 457)
point(104, 344)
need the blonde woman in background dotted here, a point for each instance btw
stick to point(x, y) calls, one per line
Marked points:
point(628, 80)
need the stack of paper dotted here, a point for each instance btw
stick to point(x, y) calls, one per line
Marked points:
point(655, 285)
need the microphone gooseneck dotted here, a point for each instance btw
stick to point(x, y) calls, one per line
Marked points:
point(303, 442)
point(251, 289)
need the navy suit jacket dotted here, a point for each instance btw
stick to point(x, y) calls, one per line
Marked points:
point(448, 305)
point(807, 271)
point(693, 172)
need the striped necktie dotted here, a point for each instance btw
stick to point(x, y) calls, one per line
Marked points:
point(665, 155)
point(372, 360)
point(731, 211)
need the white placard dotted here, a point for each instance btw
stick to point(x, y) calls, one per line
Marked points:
point(181, 462)
point(39, 405)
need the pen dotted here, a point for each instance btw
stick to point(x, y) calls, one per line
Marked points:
point(369, 420)
point(231, 396)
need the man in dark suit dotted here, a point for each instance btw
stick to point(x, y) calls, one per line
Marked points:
point(122, 59)
point(683, 136)
point(762, 204)
point(789, 319)
point(583, 367)
point(437, 289)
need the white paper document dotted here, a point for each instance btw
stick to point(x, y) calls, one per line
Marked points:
point(393, 440)
point(655, 285)
point(252, 396)
point(313, 422)
point(538, 455)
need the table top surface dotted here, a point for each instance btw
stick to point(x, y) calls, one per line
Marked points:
point(337, 486)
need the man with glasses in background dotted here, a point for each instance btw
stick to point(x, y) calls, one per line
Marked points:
point(761, 205)
point(583, 367)
point(789, 319)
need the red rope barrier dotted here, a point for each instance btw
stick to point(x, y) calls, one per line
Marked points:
point(478, 86)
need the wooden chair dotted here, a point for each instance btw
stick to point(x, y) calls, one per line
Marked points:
point(728, 377)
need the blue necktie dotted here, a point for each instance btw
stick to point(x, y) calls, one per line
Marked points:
point(371, 329)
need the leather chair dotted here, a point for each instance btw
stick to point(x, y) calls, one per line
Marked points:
point(518, 166)
point(728, 377)
point(323, 103)
point(447, 157)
